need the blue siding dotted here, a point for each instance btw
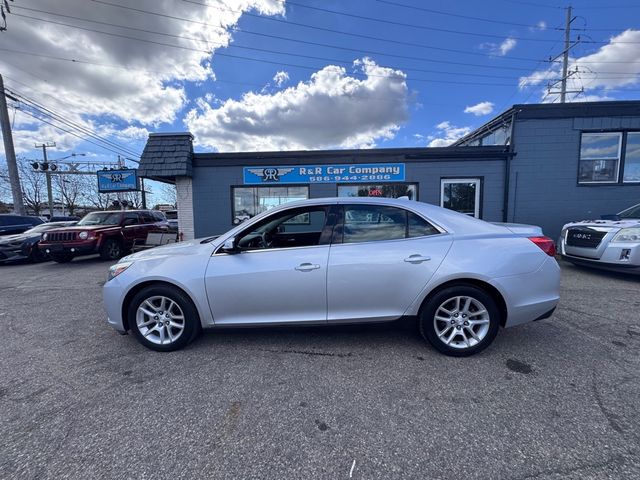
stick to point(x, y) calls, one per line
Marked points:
point(212, 189)
point(544, 186)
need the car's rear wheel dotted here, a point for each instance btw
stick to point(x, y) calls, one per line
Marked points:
point(61, 257)
point(111, 249)
point(460, 320)
point(163, 318)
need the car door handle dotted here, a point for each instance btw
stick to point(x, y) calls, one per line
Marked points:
point(416, 259)
point(307, 267)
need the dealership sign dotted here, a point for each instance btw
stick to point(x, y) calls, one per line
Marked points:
point(360, 173)
point(124, 180)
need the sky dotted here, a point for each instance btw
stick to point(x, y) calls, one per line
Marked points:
point(97, 76)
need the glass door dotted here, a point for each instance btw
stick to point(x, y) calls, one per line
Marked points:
point(461, 195)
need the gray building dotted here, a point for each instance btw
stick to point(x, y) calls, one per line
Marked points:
point(542, 164)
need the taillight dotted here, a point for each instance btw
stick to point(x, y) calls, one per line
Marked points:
point(545, 244)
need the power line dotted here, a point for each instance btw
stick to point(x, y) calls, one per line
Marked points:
point(72, 124)
point(409, 25)
point(457, 15)
point(283, 53)
point(355, 50)
point(306, 42)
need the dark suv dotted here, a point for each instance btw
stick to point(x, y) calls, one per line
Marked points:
point(13, 224)
point(110, 233)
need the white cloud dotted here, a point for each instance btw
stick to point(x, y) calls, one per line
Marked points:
point(615, 65)
point(280, 78)
point(482, 108)
point(447, 134)
point(501, 49)
point(147, 87)
point(540, 26)
point(331, 109)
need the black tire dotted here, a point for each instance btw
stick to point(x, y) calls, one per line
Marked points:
point(111, 249)
point(61, 257)
point(427, 321)
point(192, 326)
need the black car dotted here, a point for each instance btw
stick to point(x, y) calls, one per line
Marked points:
point(66, 218)
point(12, 224)
point(24, 246)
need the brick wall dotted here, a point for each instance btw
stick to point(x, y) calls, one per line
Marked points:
point(184, 191)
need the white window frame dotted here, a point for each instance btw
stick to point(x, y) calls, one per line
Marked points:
point(626, 146)
point(619, 158)
point(476, 180)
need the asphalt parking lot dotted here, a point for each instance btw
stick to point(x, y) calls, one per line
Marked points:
point(559, 398)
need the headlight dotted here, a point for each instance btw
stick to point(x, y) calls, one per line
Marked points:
point(83, 235)
point(117, 269)
point(627, 235)
point(44, 236)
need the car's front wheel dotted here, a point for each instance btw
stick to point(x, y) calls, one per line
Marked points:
point(111, 249)
point(163, 318)
point(460, 320)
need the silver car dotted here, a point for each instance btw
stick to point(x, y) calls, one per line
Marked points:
point(336, 261)
point(612, 244)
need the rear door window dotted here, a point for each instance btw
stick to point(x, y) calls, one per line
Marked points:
point(375, 223)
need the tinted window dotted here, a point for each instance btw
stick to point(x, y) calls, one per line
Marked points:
point(147, 217)
point(131, 218)
point(419, 227)
point(159, 216)
point(369, 223)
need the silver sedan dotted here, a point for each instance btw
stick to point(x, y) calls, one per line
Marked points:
point(336, 261)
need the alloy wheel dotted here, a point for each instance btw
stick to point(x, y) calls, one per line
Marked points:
point(461, 322)
point(160, 320)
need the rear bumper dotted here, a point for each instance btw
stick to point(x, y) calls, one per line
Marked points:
point(532, 296)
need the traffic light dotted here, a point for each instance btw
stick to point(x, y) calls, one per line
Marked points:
point(44, 166)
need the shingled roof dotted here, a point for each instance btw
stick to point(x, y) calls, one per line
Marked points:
point(166, 156)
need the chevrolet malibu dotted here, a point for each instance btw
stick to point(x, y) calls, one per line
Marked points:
point(339, 261)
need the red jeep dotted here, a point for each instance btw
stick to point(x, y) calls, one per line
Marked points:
point(111, 234)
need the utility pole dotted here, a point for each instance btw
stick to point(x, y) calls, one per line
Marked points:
point(565, 55)
point(48, 173)
point(566, 74)
point(10, 154)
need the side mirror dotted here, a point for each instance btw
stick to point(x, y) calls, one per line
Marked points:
point(230, 246)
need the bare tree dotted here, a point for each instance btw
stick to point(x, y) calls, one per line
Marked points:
point(34, 186)
point(72, 189)
point(5, 184)
point(101, 201)
point(169, 194)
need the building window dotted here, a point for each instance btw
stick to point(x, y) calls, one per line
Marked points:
point(461, 195)
point(632, 158)
point(599, 157)
point(250, 201)
point(388, 190)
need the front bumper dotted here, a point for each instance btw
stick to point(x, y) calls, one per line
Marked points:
point(113, 294)
point(75, 248)
point(16, 252)
point(615, 256)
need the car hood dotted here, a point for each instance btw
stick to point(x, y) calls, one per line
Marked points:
point(20, 237)
point(85, 228)
point(609, 224)
point(191, 247)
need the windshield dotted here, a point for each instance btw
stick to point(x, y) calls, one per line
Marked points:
point(101, 218)
point(633, 212)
